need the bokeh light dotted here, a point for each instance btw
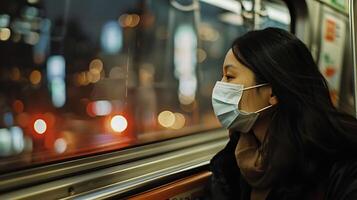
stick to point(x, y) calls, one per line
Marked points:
point(118, 123)
point(60, 145)
point(18, 106)
point(96, 66)
point(102, 108)
point(40, 126)
point(35, 77)
point(166, 118)
point(5, 34)
point(179, 121)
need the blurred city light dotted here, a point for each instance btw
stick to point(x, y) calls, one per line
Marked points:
point(58, 89)
point(166, 118)
point(8, 119)
point(96, 66)
point(102, 108)
point(118, 123)
point(111, 37)
point(18, 106)
point(40, 126)
point(30, 12)
point(32, 38)
point(41, 47)
point(56, 75)
point(4, 20)
point(82, 79)
point(5, 34)
point(179, 121)
point(18, 142)
point(60, 145)
point(202, 55)
point(90, 109)
point(5, 142)
point(129, 20)
point(93, 77)
point(185, 63)
point(56, 67)
point(35, 77)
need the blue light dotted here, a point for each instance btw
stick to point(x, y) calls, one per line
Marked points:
point(56, 67)
point(111, 37)
point(58, 88)
point(5, 142)
point(18, 142)
point(56, 74)
point(8, 119)
point(185, 41)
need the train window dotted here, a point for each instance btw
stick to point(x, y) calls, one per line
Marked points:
point(79, 78)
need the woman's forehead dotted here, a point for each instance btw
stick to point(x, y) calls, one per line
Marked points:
point(231, 62)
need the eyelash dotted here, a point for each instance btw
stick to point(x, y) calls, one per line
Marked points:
point(229, 77)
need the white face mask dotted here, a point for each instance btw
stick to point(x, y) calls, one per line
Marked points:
point(225, 101)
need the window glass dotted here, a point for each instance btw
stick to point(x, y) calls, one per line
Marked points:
point(84, 77)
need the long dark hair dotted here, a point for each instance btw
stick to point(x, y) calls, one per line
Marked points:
point(306, 134)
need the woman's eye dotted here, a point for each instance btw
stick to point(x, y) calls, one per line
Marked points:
point(229, 77)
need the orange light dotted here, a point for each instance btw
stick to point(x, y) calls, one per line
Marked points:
point(179, 121)
point(40, 126)
point(166, 118)
point(129, 20)
point(35, 77)
point(118, 123)
point(96, 66)
point(18, 106)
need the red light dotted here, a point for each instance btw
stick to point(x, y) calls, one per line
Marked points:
point(18, 106)
point(90, 109)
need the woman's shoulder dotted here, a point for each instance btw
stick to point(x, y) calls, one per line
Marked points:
point(342, 180)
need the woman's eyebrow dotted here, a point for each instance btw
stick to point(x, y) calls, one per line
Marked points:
point(228, 66)
point(231, 67)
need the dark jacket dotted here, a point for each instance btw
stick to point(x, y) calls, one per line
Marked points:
point(227, 183)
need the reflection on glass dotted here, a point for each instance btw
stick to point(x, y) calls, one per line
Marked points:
point(85, 77)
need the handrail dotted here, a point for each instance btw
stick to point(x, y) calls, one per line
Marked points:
point(352, 21)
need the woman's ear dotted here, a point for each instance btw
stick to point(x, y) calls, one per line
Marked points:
point(273, 100)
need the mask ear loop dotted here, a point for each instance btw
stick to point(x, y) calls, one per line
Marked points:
point(258, 111)
point(255, 86)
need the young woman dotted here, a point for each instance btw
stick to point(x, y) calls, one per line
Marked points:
point(287, 140)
